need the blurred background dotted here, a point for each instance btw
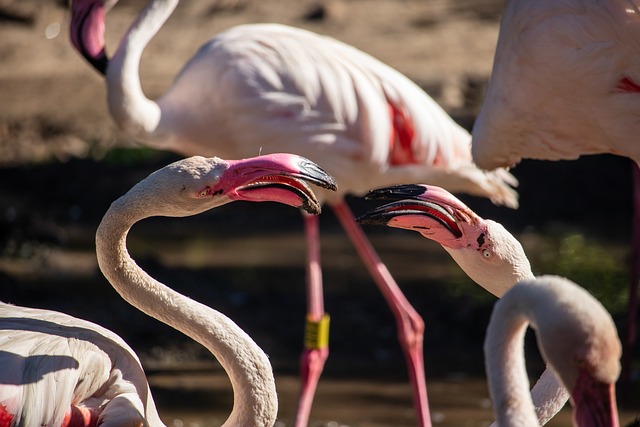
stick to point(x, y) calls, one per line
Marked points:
point(63, 161)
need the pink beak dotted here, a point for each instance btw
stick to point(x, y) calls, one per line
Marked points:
point(430, 210)
point(276, 177)
point(87, 32)
point(594, 402)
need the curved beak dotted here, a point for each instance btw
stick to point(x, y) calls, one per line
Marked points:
point(594, 402)
point(429, 210)
point(282, 178)
point(87, 32)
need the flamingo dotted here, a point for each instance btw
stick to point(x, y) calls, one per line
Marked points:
point(490, 255)
point(576, 337)
point(566, 83)
point(276, 88)
point(58, 370)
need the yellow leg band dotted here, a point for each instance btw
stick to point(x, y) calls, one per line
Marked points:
point(316, 334)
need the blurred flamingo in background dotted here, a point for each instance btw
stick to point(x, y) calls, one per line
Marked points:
point(272, 88)
point(566, 82)
point(58, 370)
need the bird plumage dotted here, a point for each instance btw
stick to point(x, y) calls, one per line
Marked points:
point(565, 83)
point(576, 337)
point(53, 364)
point(283, 89)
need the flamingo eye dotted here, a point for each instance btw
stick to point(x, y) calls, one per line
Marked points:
point(486, 253)
point(204, 192)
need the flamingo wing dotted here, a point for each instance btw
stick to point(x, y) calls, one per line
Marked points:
point(57, 370)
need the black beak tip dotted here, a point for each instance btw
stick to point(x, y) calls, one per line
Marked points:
point(101, 64)
point(396, 192)
point(311, 207)
point(322, 178)
point(362, 219)
point(371, 218)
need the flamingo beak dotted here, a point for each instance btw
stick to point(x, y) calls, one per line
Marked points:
point(430, 210)
point(279, 178)
point(594, 402)
point(87, 32)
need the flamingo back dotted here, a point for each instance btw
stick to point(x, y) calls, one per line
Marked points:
point(272, 88)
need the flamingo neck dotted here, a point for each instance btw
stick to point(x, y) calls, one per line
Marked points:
point(506, 370)
point(548, 396)
point(249, 370)
point(131, 109)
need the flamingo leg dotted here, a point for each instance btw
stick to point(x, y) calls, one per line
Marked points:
point(632, 308)
point(409, 323)
point(316, 342)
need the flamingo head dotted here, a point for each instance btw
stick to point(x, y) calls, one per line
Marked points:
point(196, 184)
point(484, 249)
point(578, 339)
point(274, 177)
point(87, 30)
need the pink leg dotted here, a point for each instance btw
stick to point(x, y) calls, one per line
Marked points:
point(316, 345)
point(409, 323)
point(635, 278)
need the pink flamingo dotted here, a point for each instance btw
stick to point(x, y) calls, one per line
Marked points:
point(577, 338)
point(494, 259)
point(280, 89)
point(58, 370)
point(566, 82)
point(484, 249)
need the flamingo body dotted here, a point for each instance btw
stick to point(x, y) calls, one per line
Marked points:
point(284, 89)
point(565, 82)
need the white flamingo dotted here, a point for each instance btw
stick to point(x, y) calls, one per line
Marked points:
point(57, 370)
point(280, 89)
point(484, 249)
point(565, 83)
point(576, 337)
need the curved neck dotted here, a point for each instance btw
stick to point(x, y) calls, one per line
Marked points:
point(506, 371)
point(255, 399)
point(132, 110)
